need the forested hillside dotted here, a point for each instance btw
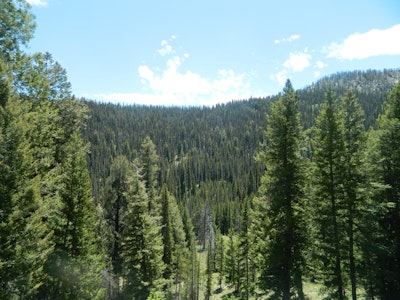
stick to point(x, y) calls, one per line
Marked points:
point(207, 154)
point(294, 196)
point(214, 159)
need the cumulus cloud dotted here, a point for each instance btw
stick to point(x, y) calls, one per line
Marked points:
point(297, 62)
point(37, 2)
point(145, 73)
point(289, 39)
point(280, 77)
point(171, 81)
point(320, 65)
point(180, 88)
point(165, 48)
point(173, 86)
point(363, 45)
point(183, 89)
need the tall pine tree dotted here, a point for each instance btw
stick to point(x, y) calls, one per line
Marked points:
point(74, 266)
point(329, 180)
point(354, 181)
point(281, 190)
point(149, 172)
point(141, 241)
point(388, 262)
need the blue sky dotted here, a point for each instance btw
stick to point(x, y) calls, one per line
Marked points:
point(207, 52)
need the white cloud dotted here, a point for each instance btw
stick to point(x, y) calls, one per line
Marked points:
point(297, 62)
point(189, 87)
point(280, 77)
point(320, 65)
point(289, 39)
point(145, 73)
point(172, 86)
point(165, 48)
point(186, 89)
point(37, 2)
point(363, 45)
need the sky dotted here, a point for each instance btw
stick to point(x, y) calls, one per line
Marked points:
point(195, 53)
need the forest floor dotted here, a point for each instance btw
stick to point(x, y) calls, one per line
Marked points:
point(311, 290)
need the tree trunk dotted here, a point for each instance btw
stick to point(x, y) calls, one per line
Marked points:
point(287, 270)
point(351, 257)
point(338, 268)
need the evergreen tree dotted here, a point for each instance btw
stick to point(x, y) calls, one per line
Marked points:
point(25, 238)
point(17, 26)
point(168, 242)
point(75, 264)
point(220, 258)
point(142, 248)
point(149, 171)
point(281, 189)
point(193, 275)
point(8, 185)
point(354, 181)
point(178, 232)
point(387, 259)
point(114, 206)
point(329, 180)
point(175, 252)
point(373, 208)
point(49, 192)
point(232, 262)
point(209, 272)
point(245, 265)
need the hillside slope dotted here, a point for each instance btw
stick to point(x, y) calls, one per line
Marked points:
point(207, 154)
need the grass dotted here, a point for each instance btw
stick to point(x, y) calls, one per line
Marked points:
point(312, 290)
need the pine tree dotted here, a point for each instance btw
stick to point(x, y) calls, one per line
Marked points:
point(175, 250)
point(387, 260)
point(209, 272)
point(354, 181)
point(281, 190)
point(142, 247)
point(28, 239)
point(329, 179)
point(16, 30)
point(8, 184)
point(115, 204)
point(370, 212)
point(193, 276)
point(38, 190)
point(232, 262)
point(220, 257)
point(168, 242)
point(149, 171)
point(75, 264)
point(179, 238)
point(25, 238)
point(246, 265)
point(113, 207)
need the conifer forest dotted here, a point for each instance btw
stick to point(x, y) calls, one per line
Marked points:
point(292, 196)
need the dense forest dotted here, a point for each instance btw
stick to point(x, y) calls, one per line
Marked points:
point(293, 196)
